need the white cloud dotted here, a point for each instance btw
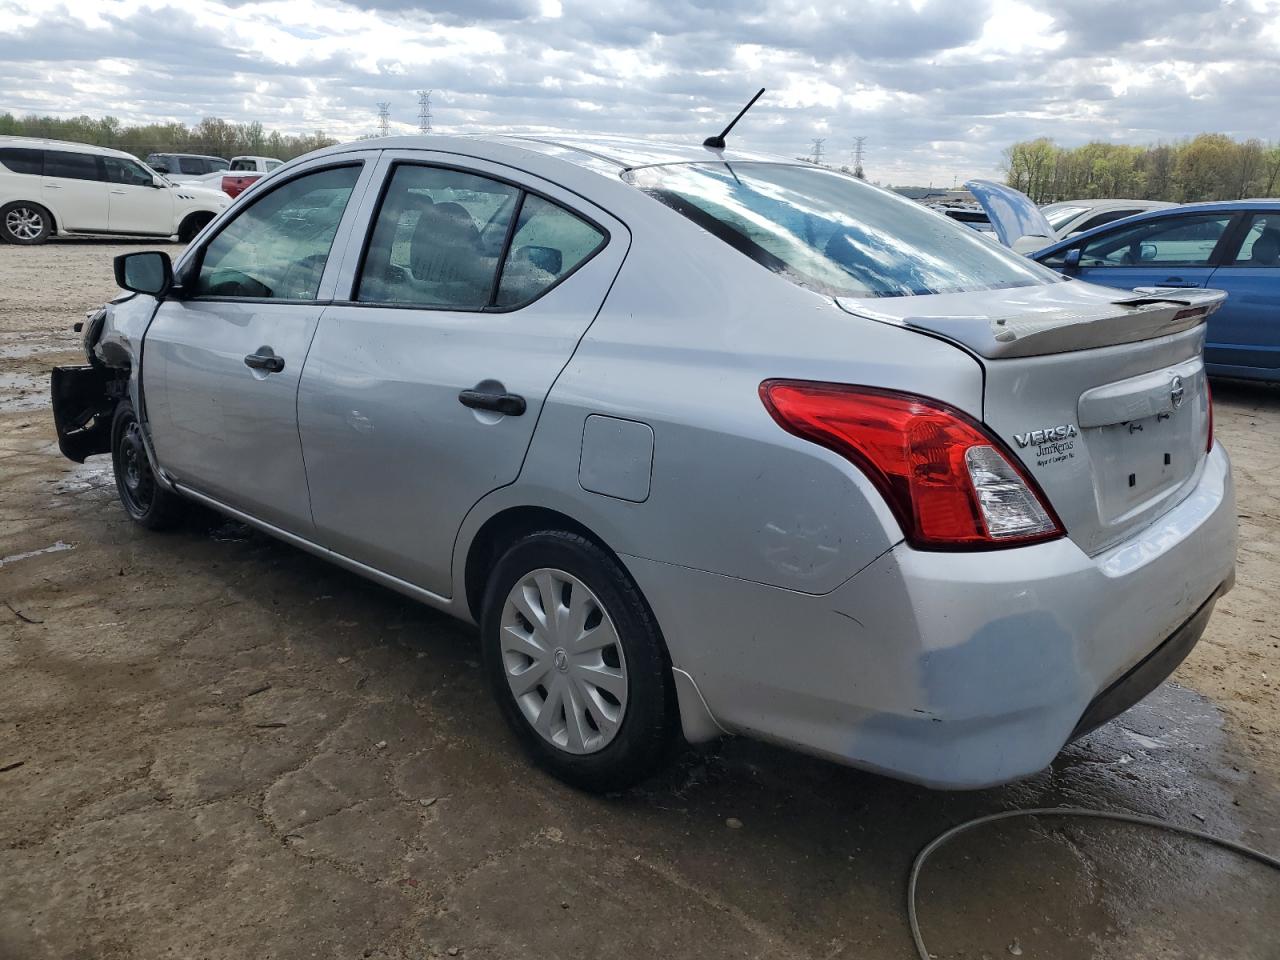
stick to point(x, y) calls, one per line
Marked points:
point(938, 91)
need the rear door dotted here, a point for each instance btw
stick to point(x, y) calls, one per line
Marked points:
point(1245, 334)
point(1171, 251)
point(74, 187)
point(222, 361)
point(422, 389)
point(135, 204)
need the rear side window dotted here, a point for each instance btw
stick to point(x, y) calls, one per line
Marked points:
point(242, 165)
point(1261, 247)
point(192, 165)
point(72, 166)
point(22, 160)
point(438, 239)
point(834, 234)
point(548, 244)
point(278, 247)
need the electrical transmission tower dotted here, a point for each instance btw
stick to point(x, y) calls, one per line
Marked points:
point(384, 118)
point(857, 157)
point(424, 111)
point(817, 148)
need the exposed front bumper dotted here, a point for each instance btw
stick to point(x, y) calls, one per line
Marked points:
point(956, 670)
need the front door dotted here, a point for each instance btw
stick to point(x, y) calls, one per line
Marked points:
point(421, 392)
point(1172, 251)
point(222, 360)
point(135, 203)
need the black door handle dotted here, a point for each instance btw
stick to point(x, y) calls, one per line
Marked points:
point(264, 361)
point(510, 404)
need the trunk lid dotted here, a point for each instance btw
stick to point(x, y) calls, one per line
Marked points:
point(1102, 396)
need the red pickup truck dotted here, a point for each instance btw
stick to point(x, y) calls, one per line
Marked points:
point(234, 184)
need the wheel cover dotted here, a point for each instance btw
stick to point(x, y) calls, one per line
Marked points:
point(25, 223)
point(563, 661)
point(138, 485)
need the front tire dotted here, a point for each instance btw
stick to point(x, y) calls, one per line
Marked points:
point(25, 223)
point(577, 662)
point(144, 500)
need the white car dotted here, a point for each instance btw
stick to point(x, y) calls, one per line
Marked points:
point(1070, 217)
point(53, 188)
point(187, 167)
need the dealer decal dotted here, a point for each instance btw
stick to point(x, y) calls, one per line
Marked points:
point(1053, 444)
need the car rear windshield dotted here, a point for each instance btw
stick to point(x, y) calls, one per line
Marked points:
point(834, 234)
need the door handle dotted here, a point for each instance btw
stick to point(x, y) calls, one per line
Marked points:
point(510, 404)
point(118, 193)
point(264, 361)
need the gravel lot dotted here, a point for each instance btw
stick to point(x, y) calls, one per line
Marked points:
point(213, 745)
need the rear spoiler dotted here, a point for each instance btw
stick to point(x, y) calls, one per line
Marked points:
point(1152, 312)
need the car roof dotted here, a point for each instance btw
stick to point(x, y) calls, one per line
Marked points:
point(1107, 201)
point(197, 156)
point(601, 153)
point(1162, 213)
point(69, 146)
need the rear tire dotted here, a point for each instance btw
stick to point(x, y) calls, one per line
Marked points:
point(144, 500)
point(583, 679)
point(25, 223)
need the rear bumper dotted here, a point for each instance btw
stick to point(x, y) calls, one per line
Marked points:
point(954, 670)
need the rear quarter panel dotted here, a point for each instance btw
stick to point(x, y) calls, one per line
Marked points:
point(685, 337)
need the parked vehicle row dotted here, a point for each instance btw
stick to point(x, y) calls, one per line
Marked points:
point(705, 441)
point(51, 188)
point(208, 171)
point(1227, 245)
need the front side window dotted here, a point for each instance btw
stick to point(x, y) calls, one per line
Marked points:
point(1261, 247)
point(272, 164)
point(22, 160)
point(189, 166)
point(215, 165)
point(241, 165)
point(1186, 241)
point(72, 166)
point(548, 244)
point(278, 247)
point(160, 163)
point(834, 234)
point(438, 239)
point(128, 172)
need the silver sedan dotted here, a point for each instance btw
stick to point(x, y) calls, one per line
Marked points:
point(705, 442)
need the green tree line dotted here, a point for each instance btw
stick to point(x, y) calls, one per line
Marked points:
point(211, 136)
point(1210, 166)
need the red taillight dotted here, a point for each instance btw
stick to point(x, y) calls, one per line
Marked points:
point(1208, 399)
point(949, 482)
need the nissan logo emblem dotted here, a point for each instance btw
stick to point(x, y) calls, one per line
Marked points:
point(1177, 393)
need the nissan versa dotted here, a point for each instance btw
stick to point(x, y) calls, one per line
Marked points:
point(706, 442)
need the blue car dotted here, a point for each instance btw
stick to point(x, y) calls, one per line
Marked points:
point(1232, 245)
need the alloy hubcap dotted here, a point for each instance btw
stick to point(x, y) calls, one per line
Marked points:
point(25, 223)
point(563, 661)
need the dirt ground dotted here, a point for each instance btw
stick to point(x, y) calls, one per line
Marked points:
point(215, 746)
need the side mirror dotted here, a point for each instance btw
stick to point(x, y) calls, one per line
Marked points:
point(1148, 251)
point(1072, 259)
point(158, 182)
point(150, 272)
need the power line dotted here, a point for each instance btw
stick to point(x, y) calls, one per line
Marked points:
point(424, 111)
point(857, 157)
point(384, 118)
point(817, 148)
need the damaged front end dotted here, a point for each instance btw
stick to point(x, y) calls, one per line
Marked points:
point(85, 397)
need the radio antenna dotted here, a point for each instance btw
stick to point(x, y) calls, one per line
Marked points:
point(717, 142)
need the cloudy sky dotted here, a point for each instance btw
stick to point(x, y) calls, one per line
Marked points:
point(938, 88)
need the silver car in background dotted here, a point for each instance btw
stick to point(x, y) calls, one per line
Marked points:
point(706, 443)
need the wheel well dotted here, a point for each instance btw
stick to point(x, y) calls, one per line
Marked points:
point(192, 224)
point(503, 529)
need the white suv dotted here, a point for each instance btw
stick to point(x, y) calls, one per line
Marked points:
point(49, 187)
